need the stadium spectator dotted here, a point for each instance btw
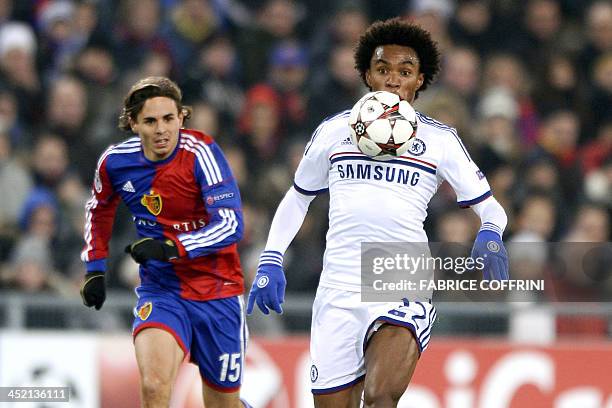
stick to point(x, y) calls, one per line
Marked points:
point(58, 42)
point(591, 224)
point(46, 216)
point(582, 271)
point(598, 27)
point(16, 182)
point(340, 80)
point(540, 32)
point(191, 23)
point(39, 216)
point(206, 117)
point(508, 71)
point(50, 161)
point(10, 124)
point(557, 143)
point(598, 184)
point(31, 270)
point(594, 154)
point(66, 115)
point(535, 219)
point(461, 75)
point(433, 16)
point(215, 78)
point(558, 86)
point(259, 127)
point(331, 32)
point(138, 32)
point(287, 77)
point(600, 100)
point(498, 111)
point(95, 67)
point(473, 25)
point(449, 107)
point(51, 172)
point(276, 21)
point(6, 9)
point(18, 71)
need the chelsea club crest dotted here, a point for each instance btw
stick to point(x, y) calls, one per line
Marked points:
point(417, 147)
point(314, 373)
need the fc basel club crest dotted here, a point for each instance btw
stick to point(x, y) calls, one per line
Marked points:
point(417, 147)
point(145, 311)
point(153, 202)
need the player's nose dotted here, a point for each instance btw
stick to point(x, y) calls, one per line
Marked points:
point(159, 129)
point(392, 81)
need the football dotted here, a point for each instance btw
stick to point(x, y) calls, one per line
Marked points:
point(382, 125)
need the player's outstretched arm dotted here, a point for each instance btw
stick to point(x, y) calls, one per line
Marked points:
point(100, 213)
point(268, 289)
point(489, 245)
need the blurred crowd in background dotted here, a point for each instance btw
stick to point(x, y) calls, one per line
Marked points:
point(527, 84)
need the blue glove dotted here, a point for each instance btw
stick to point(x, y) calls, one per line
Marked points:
point(268, 288)
point(490, 248)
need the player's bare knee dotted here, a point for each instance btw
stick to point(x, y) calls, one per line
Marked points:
point(383, 392)
point(381, 396)
point(154, 387)
point(221, 400)
point(234, 403)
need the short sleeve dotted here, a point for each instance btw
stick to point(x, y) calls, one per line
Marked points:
point(312, 175)
point(464, 176)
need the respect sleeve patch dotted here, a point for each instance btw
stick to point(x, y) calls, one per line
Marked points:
point(222, 196)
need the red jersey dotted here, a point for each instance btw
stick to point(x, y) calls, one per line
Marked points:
point(191, 198)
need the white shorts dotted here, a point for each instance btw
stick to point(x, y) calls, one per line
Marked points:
point(342, 326)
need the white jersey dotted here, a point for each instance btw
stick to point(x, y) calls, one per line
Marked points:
point(381, 201)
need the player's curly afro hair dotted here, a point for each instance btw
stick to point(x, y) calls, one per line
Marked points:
point(399, 32)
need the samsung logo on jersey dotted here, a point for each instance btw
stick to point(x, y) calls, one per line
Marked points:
point(378, 172)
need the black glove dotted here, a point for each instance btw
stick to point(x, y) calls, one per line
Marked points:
point(93, 291)
point(149, 248)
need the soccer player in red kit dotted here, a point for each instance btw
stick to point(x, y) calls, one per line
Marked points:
point(186, 208)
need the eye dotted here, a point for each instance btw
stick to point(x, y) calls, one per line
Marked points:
point(382, 70)
point(406, 73)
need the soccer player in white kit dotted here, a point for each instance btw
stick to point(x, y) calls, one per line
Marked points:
point(372, 348)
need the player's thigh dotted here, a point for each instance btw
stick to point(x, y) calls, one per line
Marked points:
point(162, 335)
point(219, 342)
point(397, 335)
point(346, 398)
point(390, 360)
point(336, 341)
point(158, 356)
point(214, 398)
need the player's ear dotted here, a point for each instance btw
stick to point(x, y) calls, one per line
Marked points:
point(368, 78)
point(420, 81)
point(133, 126)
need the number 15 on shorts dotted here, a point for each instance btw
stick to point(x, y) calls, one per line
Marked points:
point(230, 367)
